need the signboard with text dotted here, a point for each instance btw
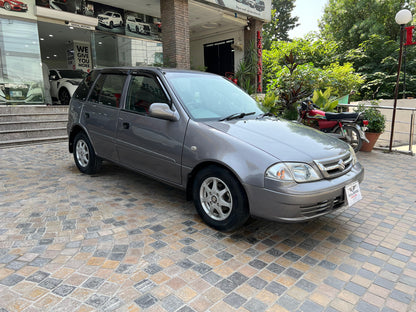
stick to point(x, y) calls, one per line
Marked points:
point(261, 9)
point(79, 56)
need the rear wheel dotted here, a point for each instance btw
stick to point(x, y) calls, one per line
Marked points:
point(84, 155)
point(220, 199)
point(352, 137)
point(7, 6)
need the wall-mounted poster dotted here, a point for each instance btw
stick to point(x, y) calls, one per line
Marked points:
point(142, 26)
point(20, 8)
point(79, 55)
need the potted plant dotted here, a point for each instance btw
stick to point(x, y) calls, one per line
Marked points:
point(376, 124)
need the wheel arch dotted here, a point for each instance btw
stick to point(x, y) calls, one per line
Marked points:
point(203, 165)
point(72, 134)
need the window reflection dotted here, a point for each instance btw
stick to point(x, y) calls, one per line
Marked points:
point(20, 63)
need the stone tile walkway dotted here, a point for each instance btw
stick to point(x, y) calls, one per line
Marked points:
point(117, 241)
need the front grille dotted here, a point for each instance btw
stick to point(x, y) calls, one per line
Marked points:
point(336, 166)
point(322, 207)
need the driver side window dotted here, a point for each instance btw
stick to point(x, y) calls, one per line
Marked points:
point(144, 91)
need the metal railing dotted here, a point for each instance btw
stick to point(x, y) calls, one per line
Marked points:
point(404, 128)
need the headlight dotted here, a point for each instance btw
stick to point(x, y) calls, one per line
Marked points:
point(353, 156)
point(299, 172)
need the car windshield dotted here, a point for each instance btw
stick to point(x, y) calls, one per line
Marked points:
point(74, 74)
point(211, 97)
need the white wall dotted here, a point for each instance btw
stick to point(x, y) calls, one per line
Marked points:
point(197, 47)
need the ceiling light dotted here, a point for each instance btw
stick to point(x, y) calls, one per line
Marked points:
point(51, 35)
point(41, 39)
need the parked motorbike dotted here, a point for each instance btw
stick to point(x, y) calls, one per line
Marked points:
point(349, 127)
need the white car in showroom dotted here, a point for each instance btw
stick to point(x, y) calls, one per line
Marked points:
point(135, 24)
point(110, 19)
point(63, 83)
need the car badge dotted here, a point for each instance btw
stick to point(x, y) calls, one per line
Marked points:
point(341, 164)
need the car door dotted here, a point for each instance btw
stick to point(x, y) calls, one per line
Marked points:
point(101, 112)
point(144, 143)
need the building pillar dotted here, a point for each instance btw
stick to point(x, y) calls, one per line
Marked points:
point(253, 39)
point(175, 33)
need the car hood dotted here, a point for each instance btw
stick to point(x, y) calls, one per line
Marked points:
point(285, 140)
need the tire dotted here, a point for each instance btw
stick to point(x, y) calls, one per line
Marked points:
point(128, 27)
point(220, 199)
point(84, 155)
point(64, 97)
point(7, 6)
point(111, 24)
point(352, 137)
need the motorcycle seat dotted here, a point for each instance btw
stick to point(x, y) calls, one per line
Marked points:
point(340, 116)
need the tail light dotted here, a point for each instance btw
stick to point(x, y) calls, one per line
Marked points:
point(365, 122)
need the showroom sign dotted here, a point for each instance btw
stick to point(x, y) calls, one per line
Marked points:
point(257, 8)
point(79, 56)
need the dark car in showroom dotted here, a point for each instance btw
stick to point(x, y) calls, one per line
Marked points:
point(201, 133)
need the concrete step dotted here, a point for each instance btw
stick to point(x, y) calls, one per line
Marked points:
point(34, 116)
point(7, 135)
point(32, 124)
point(28, 141)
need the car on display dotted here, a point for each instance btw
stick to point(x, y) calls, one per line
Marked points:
point(135, 24)
point(13, 5)
point(110, 19)
point(63, 83)
point(203, 134)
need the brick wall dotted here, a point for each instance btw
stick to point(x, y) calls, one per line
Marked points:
point(175, 33)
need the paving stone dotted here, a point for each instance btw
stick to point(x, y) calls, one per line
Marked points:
point(171, 303)
point(257, 282)
point(309, 306)
point(276, 288)
point(93, 282)
point(37, 277)
point(146, 301)
point(50, 282)
point(63, 290)
point(306, 285)
point(12, 280)
point(97, 301)
point(235, 300)
point(226, 285)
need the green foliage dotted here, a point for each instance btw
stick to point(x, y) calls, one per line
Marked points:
point(246, 73)
point(293, 81)
point(376, 120)
point(324, 100)
point(350, 22)
point(270, 102)
point(281, 23)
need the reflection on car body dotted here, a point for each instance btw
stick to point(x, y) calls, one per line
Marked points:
point(201, 133)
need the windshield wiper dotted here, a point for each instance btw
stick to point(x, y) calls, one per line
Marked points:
point(237, 115)
point(268, 114)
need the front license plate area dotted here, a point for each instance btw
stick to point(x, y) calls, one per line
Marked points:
point(353, 193)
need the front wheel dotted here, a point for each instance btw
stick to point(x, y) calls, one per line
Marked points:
point(352, 136)
point(220, 199)
point(64, 97)
point(84, 155)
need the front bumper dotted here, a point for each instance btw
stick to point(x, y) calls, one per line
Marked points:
point(303, 201)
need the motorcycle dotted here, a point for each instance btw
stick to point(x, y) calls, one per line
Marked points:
point(349, 127)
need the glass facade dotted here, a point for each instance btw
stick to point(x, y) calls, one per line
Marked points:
point(20, 63)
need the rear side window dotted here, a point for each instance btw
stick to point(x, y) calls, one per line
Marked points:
point(144, 91)
point(108, 89)
point(83, 89)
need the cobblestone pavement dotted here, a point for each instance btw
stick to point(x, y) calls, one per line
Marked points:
point(117, 241)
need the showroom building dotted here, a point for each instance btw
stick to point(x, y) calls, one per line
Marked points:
point(209, 35)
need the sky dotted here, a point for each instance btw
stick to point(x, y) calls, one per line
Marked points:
point(309, 12)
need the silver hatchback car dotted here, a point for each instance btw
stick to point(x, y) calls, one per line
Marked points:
point(201, 133)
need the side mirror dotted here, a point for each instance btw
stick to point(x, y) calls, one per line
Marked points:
point(163, 111)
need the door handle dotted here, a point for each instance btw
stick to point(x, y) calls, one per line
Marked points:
point(126, 125)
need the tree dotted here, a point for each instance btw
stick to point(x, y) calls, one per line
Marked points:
point(351, 22)
point(282, 22)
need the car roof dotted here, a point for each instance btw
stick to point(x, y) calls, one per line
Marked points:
point(160, 70)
